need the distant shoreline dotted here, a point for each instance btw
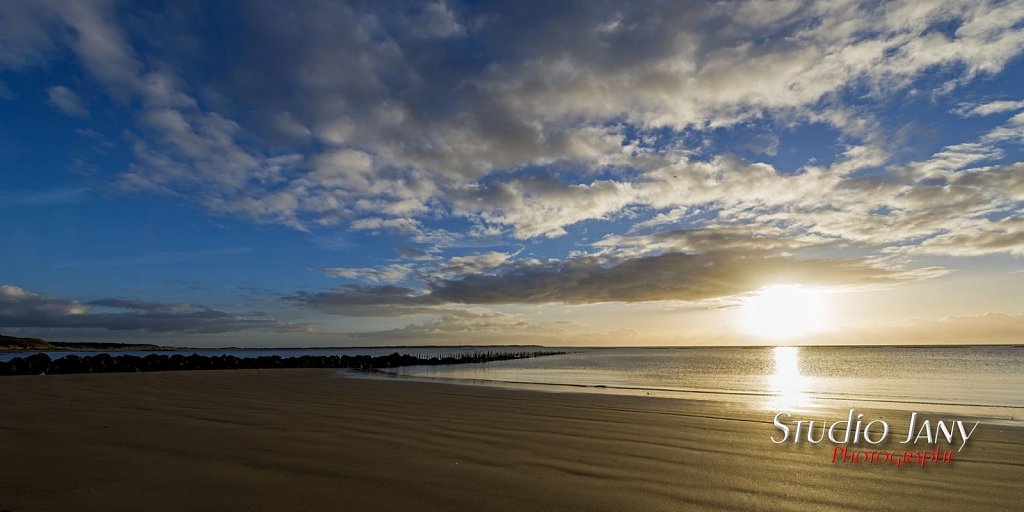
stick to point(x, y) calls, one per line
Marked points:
point(17, 344)
point(33, 345)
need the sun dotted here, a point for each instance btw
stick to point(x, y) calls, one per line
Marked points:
point(783, 312)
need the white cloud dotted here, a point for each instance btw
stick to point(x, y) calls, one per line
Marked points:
point(542, 206)
point(387, 274)
point(382, 129)
point(437, 20)
point(407, 226)
point(407, 131)
point(67, 101)
point(986, 109)
point(478, 263)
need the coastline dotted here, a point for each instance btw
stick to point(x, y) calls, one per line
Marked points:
point(315, 440)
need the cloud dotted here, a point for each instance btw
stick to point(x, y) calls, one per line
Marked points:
point(986, 109)
point(475, 263)
point(358, 300)
point(26, 34)
point(421, 266)
point(16, 300)
point(67, 101)
point(22, 308)
point(387, 274)
point(542, 205)
point(413, 253)
point(437, 20)
point(1006, 235)
point(670, 276)
point(375, 121)
point(590, 280)
point(140, 305)
point(402, 225)
point(769, 239)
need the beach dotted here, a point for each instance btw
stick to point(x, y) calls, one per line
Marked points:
point(312, 439)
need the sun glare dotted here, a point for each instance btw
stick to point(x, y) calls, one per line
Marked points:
point(783, 312)
point(786, 381)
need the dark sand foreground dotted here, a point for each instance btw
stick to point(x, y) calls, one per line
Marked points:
point(311, 440)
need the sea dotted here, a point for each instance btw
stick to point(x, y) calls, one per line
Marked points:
point(981, 380)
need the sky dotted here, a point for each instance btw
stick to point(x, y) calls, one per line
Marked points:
point(317, 173)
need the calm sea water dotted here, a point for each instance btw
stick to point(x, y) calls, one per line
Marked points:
point(981, 380)
point(289, 352)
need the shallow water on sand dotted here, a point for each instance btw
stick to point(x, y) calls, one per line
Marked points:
point(978, 380)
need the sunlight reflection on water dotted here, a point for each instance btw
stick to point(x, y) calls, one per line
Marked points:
point(984, 380)
point(786, 382)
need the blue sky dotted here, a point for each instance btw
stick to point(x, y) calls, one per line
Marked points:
point(332, 173)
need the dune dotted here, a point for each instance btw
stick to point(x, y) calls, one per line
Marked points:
point(314, 439)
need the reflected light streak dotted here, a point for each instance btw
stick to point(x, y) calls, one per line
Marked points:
point(786, 382)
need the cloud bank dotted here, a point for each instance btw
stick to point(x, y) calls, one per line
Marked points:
point(666, 277)
point(23, 308)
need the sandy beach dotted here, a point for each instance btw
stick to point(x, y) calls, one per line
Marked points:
point(315, 440)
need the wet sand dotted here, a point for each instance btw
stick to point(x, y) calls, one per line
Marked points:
point(313, 440)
